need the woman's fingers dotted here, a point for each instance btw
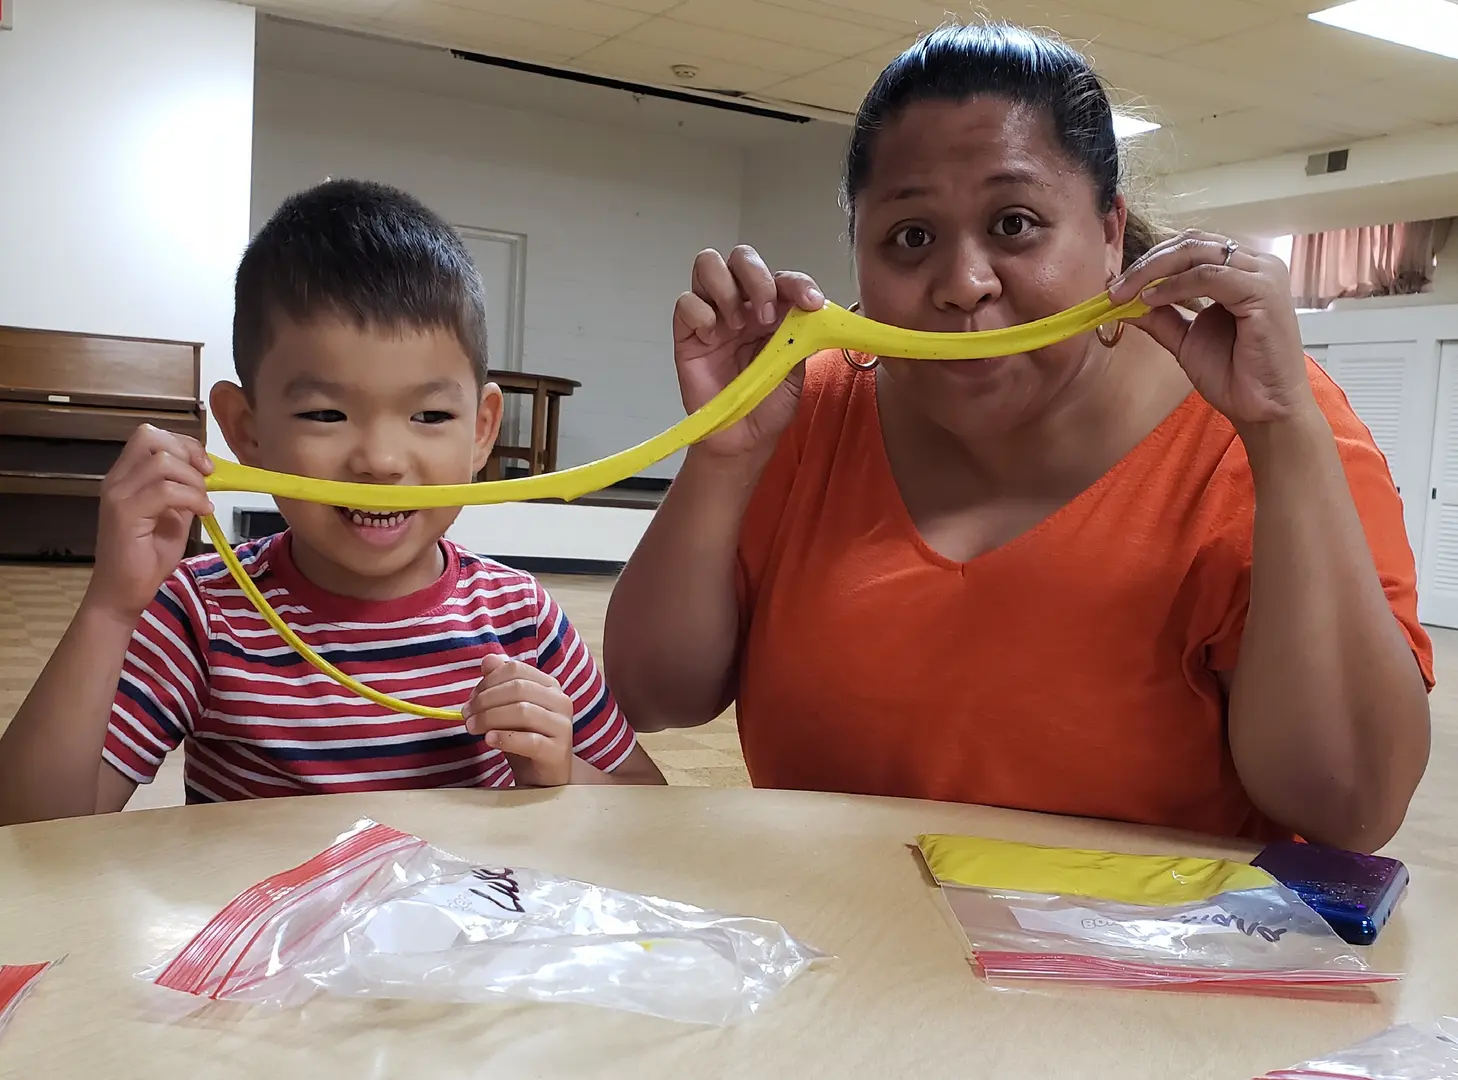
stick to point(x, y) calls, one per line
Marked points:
point(755, 283)
point(713, 281)
point(1166, 325)
point(693, 317)
point(1238, 291)
point(799, 290)
point(1176, 256)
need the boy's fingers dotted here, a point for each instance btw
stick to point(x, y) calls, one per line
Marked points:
point(518, 694)
point(497, 670)
point(518, 716)
point(161, 467)
point(157, 499)
point(525, 744)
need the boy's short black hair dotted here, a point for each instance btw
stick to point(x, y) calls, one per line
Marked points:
point(363, 252)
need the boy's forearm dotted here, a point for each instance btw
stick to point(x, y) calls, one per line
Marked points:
point(50, 755)
point(638, 770)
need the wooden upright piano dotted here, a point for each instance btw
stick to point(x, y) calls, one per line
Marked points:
point(68, 402)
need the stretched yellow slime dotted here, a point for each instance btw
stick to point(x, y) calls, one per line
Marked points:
point(802, 334)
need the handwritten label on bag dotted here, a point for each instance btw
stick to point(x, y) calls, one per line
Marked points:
point(1094, 925)
point(444, 914)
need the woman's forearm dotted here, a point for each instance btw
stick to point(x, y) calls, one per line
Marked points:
point(1329, 721)
point(672, 632)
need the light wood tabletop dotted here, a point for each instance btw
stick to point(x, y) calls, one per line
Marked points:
point(899, 1000)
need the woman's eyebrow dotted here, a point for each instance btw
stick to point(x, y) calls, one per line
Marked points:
point(1009, 176)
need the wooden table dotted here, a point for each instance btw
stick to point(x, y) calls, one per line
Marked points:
point(900, 1000)
point(546, 392)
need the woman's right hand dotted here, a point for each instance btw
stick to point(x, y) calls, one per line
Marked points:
point(732, 308)
point(148, 502)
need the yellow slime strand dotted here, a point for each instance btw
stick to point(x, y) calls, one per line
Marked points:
point(802, 334)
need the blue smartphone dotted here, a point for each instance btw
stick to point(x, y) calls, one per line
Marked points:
point(1355, 894)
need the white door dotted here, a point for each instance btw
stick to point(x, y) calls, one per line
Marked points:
point(1438, 577)
point(501, 259)
point(1389, 393)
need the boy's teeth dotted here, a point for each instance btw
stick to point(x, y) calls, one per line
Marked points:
point(376, 521)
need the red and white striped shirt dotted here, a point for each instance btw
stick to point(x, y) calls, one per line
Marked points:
point(256, 720)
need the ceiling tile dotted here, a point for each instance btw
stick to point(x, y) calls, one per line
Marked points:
point(912, 15)
point(647, 7)
point(364, 9)
point(777, 56)
point(761, 20)
point(812, 90)
point(644, 63)
point(1079, 25)
point(459, 28)
point(1242, 136)
point(881, 17)
point(1197, 19)
point(1398, 100)
point(1298, 54)
point(583, 15)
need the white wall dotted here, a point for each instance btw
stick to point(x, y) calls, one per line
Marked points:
point(126, 130)
point(613, 219)
point(792, 212)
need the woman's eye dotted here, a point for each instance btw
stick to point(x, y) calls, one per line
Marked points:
point(433, 416)
point(323, 416)
point(913, 237)
point(1012, 225)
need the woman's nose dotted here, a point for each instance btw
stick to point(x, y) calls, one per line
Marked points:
point(966, 281)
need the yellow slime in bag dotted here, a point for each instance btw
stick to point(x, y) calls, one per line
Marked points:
point(802, 334)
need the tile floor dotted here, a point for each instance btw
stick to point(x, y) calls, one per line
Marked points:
point(36, 603)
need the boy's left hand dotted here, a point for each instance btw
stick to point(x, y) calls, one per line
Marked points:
point(524, 713)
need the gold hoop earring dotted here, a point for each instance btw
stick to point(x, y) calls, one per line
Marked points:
point(1108, 341)
point(845, 354)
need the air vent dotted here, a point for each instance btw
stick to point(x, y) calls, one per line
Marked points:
point(1333, 161)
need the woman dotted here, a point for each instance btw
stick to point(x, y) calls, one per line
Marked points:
point(1154, 574)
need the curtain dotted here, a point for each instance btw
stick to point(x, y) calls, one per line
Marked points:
point(1376, 260)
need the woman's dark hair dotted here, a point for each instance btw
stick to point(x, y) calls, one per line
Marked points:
point(955, 63)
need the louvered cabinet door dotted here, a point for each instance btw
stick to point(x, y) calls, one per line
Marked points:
point(1438, 579)
point(1387, 391)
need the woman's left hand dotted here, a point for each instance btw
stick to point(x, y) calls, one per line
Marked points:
point(1243, 353)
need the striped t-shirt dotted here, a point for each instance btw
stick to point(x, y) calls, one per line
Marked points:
point(256, 720)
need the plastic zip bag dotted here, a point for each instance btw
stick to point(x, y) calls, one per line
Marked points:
point(1405, 1052)
point(16, 983)
point(1135, 921)
point(383, 914)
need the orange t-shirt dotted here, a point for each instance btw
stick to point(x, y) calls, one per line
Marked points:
point(1071, 671)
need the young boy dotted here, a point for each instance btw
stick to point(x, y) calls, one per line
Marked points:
point(359, 339)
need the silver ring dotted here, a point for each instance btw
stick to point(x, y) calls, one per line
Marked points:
point(1231, 247)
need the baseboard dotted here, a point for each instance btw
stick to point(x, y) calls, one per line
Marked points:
point(544, 564)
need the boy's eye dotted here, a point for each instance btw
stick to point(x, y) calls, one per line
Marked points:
point(1012, 225)
point(912, 236)
point(323, 416)
point(433, 416)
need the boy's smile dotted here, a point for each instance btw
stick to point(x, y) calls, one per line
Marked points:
point(367, 405)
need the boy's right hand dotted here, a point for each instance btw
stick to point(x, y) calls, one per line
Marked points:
point(732, 308)
point(148, 502)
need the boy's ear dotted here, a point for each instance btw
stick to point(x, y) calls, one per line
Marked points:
point(488, 425)
point(235, 416)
